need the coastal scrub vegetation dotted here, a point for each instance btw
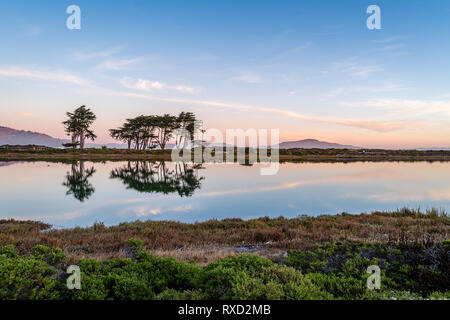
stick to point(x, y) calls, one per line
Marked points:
point(323, 257)
point(329, 271)
point(207, 241)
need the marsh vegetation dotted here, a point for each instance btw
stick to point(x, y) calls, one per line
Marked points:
point(305, 257)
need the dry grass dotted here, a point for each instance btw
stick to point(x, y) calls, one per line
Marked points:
point(208, 241)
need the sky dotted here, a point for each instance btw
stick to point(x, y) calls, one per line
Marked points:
point(311, 69)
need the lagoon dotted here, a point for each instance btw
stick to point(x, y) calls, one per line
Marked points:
point(82, 193)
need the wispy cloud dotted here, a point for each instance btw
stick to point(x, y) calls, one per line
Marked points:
point(390, 47)
point(110, 63)
point(184, 89)
point(249, 77)
point(389, 44)
point(408, 107)
point(16, 72)
point(147, 85)
point(291, 52)
point(119, 64)
point(94, 54)
point(389, 39)
point(373, 125)
point(150, 86)
point(355, 68)
point(390, 87)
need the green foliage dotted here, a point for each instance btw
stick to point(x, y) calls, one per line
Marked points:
point(140, 277)
point(341, 268)
point(8, 251)
point(78, 126)
point(93, 284)
point(439, 295)
point(172, 294)
point(134, 244)
point(253, 277)
point(446, 244)
point(148, 132)
point(25, 278)
point(330, 271)
point(50, 255)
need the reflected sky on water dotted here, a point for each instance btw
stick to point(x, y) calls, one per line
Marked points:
point(79, 194)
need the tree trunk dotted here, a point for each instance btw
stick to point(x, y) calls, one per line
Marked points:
point(82, 137)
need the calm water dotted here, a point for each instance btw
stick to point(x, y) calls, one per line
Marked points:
point(67, 195)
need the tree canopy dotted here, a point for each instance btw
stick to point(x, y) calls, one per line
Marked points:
point(149, 132)
point(78, 125)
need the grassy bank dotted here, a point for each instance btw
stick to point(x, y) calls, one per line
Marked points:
point(324, 257)
point(35, 153)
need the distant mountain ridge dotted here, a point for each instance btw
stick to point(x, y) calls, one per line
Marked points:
point(314, 144)
point(21, 137)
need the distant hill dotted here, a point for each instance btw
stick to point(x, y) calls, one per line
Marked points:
point(21, 137)
point(312, 143)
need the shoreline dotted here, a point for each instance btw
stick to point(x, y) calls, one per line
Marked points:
point(210, 240)
point(167, 157)
point(38, 153)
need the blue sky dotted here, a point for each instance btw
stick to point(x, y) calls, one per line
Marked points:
point(310, 68)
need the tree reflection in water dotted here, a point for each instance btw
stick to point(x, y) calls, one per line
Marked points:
point(77, 181)
point(148, 176)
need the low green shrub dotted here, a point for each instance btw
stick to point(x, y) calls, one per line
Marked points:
point(25, 278)
point(50, 255)
point(330, 271)
point(255, 278)
point(341, 268)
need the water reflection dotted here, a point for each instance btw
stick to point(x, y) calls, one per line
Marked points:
point(187, 193)
point(157, 177)
point(77, 181)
